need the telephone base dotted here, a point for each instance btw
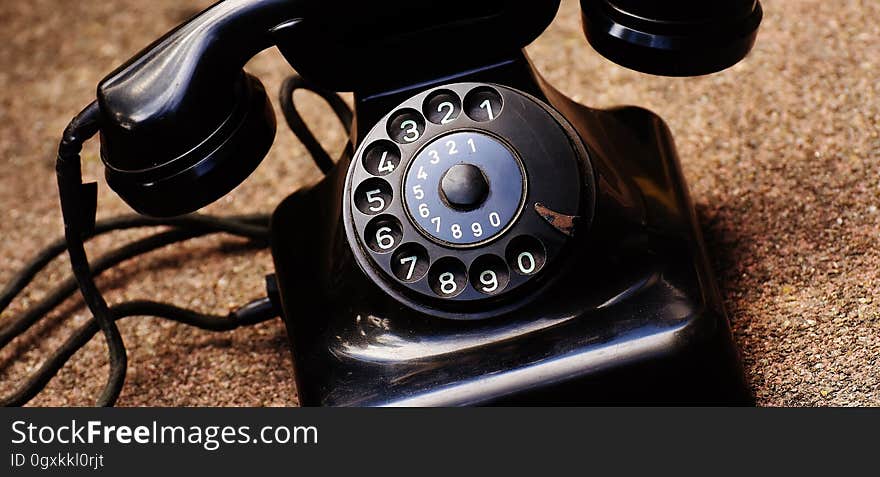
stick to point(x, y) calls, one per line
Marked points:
point(635, 317)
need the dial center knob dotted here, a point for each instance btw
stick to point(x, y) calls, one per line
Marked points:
point(464, 187)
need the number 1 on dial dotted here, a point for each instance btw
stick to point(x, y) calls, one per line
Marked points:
point(488, 107)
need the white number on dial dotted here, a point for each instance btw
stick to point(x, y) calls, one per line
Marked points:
point(418, 192)
point(423, 210)
point(447, 283)
point(422, 174)
point(489, 280)
point(374, 197)
point(412, 265)
point(495, 219)
point(472, 145)
point(436, 222)
point(450, 108)
point(526, 262)
point(477, 229)
point(385, 165)
point(412, 130)
point(456, 231)
point(384, 238)
point(451, 148)
point(435, 158)
point(488, 107)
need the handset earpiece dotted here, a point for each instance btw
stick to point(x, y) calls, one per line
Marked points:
point(182, 123)
point(160, 176)
point(672, 37)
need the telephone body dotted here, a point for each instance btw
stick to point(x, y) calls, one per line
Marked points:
point(485, 240)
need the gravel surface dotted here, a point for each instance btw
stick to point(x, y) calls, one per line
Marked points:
point(782, 153)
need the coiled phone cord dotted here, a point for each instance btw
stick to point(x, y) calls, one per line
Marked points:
point(253, 227)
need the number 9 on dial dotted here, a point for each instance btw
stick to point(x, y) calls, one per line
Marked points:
point(489, 275)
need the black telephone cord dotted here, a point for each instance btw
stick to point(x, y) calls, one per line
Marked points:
point(301, 130)
point(253, 227)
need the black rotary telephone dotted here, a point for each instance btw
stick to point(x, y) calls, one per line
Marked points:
point(485, 240)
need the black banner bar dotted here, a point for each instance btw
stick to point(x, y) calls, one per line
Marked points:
point(547, 441)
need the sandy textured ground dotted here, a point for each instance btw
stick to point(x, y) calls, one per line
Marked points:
point(782, 153)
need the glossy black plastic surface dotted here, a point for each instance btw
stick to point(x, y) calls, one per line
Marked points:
point(380, 46)
point(169, 113)
point(173, 134)
point(634, 315)
point(636, 318)
point(209, 170)
point(550, 168)
point(672, 37)
point(178, 91)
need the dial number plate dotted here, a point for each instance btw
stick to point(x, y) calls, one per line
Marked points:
point(436, 217)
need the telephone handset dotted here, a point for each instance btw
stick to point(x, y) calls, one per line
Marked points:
point(487, 240)
point(183, 124)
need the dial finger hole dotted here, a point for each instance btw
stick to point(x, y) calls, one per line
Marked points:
point(381, 158)
point(406, 126)
point(447, 277)
point(526, 255)
point(483, 104)
point(489, 274)
point(442, 107)
point(373, 196)
point(383, 233)
point(410, 262)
